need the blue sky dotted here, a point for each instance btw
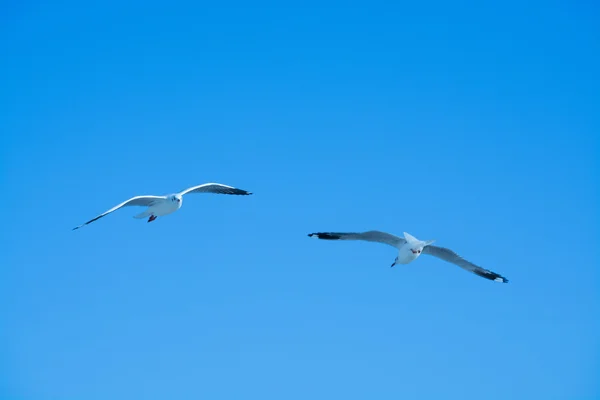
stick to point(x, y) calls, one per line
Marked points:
point(475, 125)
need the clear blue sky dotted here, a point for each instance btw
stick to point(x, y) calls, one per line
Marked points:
point(475, 125)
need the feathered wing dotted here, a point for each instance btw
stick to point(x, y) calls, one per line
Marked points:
point(450, 256)
point(370, 236)
point(214, 188)
point(134, 201)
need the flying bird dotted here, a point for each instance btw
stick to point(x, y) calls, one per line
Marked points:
point(410, 248)
point(158, 206)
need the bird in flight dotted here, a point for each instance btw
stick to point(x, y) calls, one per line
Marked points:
point(158, 206)
point(410, 248)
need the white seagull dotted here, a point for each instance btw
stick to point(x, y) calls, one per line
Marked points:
point(410, 248)
point(159, 206)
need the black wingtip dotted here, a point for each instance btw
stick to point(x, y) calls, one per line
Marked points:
point(498, 278)
point(492, 276)
point(324, 235)
point(237, 192)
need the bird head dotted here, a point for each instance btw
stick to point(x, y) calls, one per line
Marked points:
point(176, 198)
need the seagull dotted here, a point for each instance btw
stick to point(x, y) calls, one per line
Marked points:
point(159, 206)
point(410, 248)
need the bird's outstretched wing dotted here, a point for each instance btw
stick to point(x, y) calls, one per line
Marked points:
point(134, 201)
point(370, 236)
point(450, 256)
point(214, 188)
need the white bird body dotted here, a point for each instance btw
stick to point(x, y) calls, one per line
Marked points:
point(162, 208)
point(406, 255)
point(158, 206)
point(410, 248)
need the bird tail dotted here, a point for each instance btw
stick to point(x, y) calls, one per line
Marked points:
point(142, 215)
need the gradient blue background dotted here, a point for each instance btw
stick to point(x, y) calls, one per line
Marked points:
point(473, 124)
